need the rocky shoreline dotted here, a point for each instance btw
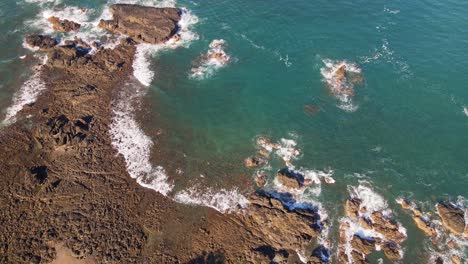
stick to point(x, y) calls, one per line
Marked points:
point(66, 190)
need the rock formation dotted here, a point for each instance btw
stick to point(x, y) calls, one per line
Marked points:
point(41, 42)
point(64, 25)
point(143, 24)
point(452, 217)
point(290, 178)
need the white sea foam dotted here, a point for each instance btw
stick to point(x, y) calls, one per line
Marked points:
point(27, 94)
point(142, 62)
point(341, 87)
point(130, 140)
point(370, 199)
point(286, 149)
point(213, 60)
point(224, 201)
point(465, 110)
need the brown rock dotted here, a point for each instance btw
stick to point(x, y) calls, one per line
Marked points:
point(425, 225)
point(340, 73)
point(253, 162)
point(260, 179)
point(358, 257)
point(391, 250)
point(352, 206)
point(452, 244)
point(363, 245)
point(456, 259)
point(365, 223)
point(405, 204)
point(290, 178)
point(142, 23)
point(64, 25)
point(263, 153)
point(387, 227)
point(417, 212)
point(452, 217)
point(40, 41)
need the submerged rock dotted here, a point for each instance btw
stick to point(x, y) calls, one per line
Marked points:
point(64, 25)
point(40, 41)
point(253, 162)
point(290, 178)
point(452, 217)
point(143, 23)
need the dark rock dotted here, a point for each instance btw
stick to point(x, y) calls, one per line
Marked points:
point(391, 250)
point(320, 254)
point(64, 25)
point(40, 41)
point(290, 179)
point(142, 23)
point(253, 162)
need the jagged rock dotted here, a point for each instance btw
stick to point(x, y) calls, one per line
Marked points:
point(253, 162)
point(405, 204)
point(40, 41)
point(425, 225)
point(352, 206)
point(365, 223)
point(453, 217)
point(452, 244)
point(340, 73)
point(66, 55)
point(260, 179)
point(142, 23)
point(64, 25)
point(320, 255)
point(67, 132)
point(391, 250)
point(363, 245)
point(387, 227)
point(290, 178)
point(358, 257)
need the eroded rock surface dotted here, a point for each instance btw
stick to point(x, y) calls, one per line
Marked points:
point(41, 42)
point(63, 25)
point(452, 217)
point(142, 23)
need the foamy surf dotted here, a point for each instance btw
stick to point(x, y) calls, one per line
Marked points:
point(142, 62)
point(27, 94)
point(207, 64)
point(341, 77)
point(224, 201)
point(135, 146)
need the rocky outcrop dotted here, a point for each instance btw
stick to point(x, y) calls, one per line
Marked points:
point(290, 179)
point(352, 206)
point(425, 225)
point(363, 244)
point(253, 162)
point(391, 250)
point(452, 217)
point(41, 42)
point(142, 23)
point(64, 25)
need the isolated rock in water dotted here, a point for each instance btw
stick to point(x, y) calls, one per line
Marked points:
point(405, 204)
point(253, 162)
point(290, 178)
point(363, 245)
point(352, 207)
point(453, 217)
point(64, 25)
point(311, 109)
point(425, 225)
point(143, 23)
point(340, 73)
point(391, 250)
point(40, 41)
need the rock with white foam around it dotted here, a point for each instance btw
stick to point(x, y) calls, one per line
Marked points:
point(142, 23)
point(63, 25)
point(41, 42)
point(290, 179)
point(453, 217)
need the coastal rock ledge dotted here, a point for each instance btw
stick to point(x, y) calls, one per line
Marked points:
point(143, 24)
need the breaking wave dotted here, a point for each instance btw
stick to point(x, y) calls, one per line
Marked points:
point(223, 200)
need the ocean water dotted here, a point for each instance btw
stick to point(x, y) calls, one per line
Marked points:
point(402, 134)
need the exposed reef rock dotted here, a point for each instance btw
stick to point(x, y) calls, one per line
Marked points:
point(41, 42)
point(452, 217)
point(142, 23)
point(290, 178)
point(64, 25)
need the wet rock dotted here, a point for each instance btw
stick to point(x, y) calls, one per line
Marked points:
point(260, 179)
point(320, 254)
point(452, 244)
point(263, 153)
point(387, 227)
point(64, 25)
point(391, 250)
point(358, 258)
point(311, 109)
point(290, 178)
point(352, 206)
point(340, 73)
point(365, 223)
point(40, 41)
point(456, 259)
point(425, 225)
point(143, 24)
point(363, 244)
point(453, 217)
point(253, 162)
point(438, 260)
point(405, 204)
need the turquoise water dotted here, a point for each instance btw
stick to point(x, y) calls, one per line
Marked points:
point(408, 136)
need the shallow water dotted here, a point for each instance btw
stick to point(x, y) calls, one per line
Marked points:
point(406, 135)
